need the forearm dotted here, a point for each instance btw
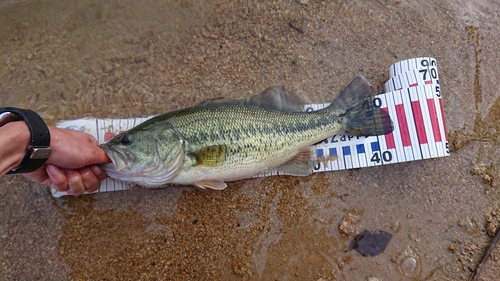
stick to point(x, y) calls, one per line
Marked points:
point(14, 140)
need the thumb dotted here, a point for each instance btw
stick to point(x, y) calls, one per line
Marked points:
point(101, 156)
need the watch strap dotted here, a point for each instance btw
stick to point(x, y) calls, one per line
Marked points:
point(40, 139)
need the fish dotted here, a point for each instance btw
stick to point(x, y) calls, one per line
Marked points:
point(222, 140)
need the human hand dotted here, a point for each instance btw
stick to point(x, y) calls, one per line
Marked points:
point(72, 165)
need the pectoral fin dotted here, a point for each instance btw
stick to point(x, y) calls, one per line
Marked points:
point(210, 156)
point(301, 164)
point(211, 184)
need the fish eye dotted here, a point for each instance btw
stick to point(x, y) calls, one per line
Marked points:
point(126, 140)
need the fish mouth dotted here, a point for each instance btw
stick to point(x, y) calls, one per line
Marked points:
point(118, 160)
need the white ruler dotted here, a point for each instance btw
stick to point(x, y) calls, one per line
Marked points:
point(412, 99)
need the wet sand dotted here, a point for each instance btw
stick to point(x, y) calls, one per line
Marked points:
point(119, 59)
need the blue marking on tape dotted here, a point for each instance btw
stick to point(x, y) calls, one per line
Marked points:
point(375, 146)
point(360, 148)
point(437, 81)
point(319, 153)
point(346, 150)
point(333, 151)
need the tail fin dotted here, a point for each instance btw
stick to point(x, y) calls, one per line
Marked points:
point(361, 118)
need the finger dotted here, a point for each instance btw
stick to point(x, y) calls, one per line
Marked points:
point(66, 171)
point(90, 181)
point(98, 172)
point(75, 183)
point(57, 178)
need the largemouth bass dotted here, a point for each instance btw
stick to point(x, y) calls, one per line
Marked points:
point(223, 140)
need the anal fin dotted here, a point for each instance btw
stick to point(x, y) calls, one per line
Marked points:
point(211, 184)
point(301, 164)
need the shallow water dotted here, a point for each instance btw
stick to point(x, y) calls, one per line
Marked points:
point(119, 59)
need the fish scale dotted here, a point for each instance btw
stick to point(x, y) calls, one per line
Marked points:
point(257, 133)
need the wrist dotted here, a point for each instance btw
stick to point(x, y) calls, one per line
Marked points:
point(14, 139)
point(38, 149)
point(54, 143)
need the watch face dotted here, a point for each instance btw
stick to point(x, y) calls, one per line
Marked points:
point(7, 117)
point(40, 152)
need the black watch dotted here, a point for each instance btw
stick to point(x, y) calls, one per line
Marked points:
point(38, 150)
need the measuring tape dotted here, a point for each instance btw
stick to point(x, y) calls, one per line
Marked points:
point(412, 98)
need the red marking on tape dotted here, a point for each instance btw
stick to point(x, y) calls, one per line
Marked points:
point(389, 138)
point(442, 116)
point(403, 125)
point(434, 120)
point(108, 136)
point(414, 85)
point(398, 89)
point(428, 82)
point(419, 122)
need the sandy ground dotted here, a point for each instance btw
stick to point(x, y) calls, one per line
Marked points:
point(136, 58)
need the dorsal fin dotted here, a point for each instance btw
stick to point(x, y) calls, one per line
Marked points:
point(275, 97)
point(279, 98)
point(211, 101)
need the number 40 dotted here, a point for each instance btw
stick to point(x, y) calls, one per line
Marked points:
point(386, 157)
